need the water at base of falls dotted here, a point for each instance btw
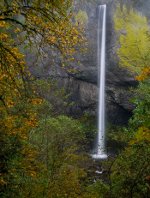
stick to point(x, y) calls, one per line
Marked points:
point(99, 156)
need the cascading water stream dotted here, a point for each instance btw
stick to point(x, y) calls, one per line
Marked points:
point(101, 42)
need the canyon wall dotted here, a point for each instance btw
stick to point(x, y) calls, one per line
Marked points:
point(82, 85)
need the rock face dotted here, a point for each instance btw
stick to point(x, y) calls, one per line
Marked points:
point(83, 84)
point(118, 81)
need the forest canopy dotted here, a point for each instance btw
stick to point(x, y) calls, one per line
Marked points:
point(25, 24)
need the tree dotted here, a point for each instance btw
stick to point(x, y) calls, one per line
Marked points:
point(132, 29)
point(130, 171)
point(81, 18)
point(60, 144)
point(26, 24)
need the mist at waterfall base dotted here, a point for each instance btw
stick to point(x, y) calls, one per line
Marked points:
point(101, 42)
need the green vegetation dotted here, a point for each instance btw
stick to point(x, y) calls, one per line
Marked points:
point(133, 39)
point(130, 171)
point(81, 18)
point(24, 169)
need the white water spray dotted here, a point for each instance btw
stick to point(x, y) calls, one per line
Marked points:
point(101, 43)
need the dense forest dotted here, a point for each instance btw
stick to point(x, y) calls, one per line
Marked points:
point(45, 149)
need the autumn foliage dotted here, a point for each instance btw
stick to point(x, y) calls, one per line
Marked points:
point(25, 24)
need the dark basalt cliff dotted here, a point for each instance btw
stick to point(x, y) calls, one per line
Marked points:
point(82, 86)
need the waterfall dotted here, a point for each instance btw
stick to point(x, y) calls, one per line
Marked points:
point(101, 42)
